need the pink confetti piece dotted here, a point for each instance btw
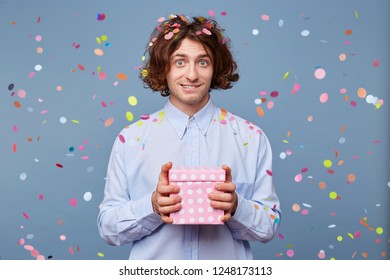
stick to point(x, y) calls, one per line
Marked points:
point(73, 202)
point(211, 13)
point(320, 73)
point(28, 247)
point(269, 172)
point(206, 31)
point(168, 36)
point(59, 165)
point(26, 215)
point(121, 138)
point(71, 251)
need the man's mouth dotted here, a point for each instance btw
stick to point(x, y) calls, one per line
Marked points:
point(189, 86)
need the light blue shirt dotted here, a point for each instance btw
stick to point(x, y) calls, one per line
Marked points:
point(212, 137)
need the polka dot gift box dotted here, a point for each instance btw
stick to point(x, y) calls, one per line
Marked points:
point(195, 184)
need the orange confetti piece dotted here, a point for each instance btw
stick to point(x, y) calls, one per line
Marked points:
point(108, 122)
point(121, 76)
point(348, 32)
point(17, 104)
point(260, 111)
point(342, 128)
point(14, 147)
point(81, 67)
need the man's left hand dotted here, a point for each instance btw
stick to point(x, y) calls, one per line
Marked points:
point(226, 198)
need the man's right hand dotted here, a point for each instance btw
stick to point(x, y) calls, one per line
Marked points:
point(164, 204)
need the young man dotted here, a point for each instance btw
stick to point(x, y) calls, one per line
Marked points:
point(188, 58)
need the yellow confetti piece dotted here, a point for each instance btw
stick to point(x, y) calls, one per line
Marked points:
point(351, 235)
point(379, 230)
point(356, 15)
point(328, 163)
point(339, 238)
point(75, 121)
point(129, 116)
point(132, 100)
point(286, 75)
point(144, 73)
point(100, 254)
point(332, 195)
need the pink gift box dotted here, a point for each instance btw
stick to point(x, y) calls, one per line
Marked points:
point(195, 184)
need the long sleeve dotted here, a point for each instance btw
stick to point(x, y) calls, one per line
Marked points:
point(122, 219)
point(258, 214)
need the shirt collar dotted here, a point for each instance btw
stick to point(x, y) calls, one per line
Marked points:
point(179, 120)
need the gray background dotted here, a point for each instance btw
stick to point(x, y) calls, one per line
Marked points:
point(357, 135)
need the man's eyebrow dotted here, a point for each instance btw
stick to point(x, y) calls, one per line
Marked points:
point(184, 55)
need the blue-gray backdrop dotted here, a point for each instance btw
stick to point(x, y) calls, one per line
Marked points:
point(314, 76)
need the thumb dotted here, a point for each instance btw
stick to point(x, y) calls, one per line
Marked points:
point(164, 177)
point(228, 171)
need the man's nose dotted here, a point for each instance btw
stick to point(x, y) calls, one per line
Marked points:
point(192, 72)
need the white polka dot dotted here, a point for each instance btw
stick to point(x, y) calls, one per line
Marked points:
point(200, 210)
point(192, 220)
point(182, 211)
point(201, 219)
point(212, 177)
point(211, 219)
point(173, 176)
point(210, 209)
point(182, 220)
point(200, 200)
point(193, 176)
point(190, 191)
point(190, 201)
point(222, 177)
point(183, 176)
point(208, 190)
point(199, 191)
point(202, 176)
point(189, 183)
point(191, 210)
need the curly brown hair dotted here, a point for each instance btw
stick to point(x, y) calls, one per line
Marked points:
point(167, 37)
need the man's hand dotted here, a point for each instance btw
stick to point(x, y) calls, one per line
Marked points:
point(164, 204)
point(227, 200)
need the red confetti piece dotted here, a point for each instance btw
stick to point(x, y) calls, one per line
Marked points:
point(81, 67)
point(269, 172)
point(71, 251)
point(121, 138)
point(59, 165)
point(14, 147)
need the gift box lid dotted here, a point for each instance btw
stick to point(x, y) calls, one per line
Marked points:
point(196, 174)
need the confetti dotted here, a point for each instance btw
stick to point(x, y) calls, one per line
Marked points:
point(319, 73)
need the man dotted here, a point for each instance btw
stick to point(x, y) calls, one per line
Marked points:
point(188, 58)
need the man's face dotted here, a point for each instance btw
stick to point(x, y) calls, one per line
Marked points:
point(189, 77)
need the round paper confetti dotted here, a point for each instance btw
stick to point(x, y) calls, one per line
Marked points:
point(290, 253)
point(129, 116)
point(133, 100)
point(324, 97)
point(319, 73)
point(333, 195)
point(73, 202)
point(255, 32)
point(362, 93)
point(87, 196)
point(305, 33)
point(23, 176)
point(328, 163)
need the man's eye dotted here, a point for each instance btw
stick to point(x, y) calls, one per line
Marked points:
point(203, 63)
point(179, 62)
